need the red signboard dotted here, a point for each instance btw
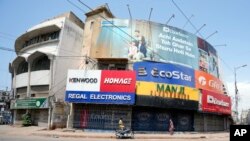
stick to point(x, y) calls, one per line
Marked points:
point(208, 82)
point(214, 102)
point(118, 81)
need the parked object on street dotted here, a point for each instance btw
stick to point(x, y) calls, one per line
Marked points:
point(125, 133)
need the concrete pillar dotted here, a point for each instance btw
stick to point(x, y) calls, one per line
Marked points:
point(70, 118)
point(29, 74)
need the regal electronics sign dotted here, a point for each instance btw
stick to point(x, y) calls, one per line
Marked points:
point(164, 73)
point(100, 86)
point(214, 102)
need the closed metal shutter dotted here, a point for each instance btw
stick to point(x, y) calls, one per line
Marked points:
point(104, 117)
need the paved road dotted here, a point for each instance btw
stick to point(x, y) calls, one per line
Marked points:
point(38, 138)
point(9, 133)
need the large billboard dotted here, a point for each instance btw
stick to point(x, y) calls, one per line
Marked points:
point(208, 82)
point(217, 103)
point(164, 73)
point(100, 86)
point(137, 40)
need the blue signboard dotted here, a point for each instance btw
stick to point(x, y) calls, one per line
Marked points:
point(100, 97)
point(164, 73)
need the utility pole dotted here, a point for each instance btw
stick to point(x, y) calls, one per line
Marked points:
point(236, 92)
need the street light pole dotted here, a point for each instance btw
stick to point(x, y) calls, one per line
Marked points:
point(236, 91)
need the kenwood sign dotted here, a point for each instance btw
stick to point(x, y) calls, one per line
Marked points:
point(101, 86)
point(164, 73)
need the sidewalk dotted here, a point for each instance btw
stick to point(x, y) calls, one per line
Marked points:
point(39, 131)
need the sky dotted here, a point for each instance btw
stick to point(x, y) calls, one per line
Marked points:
point(229, 17)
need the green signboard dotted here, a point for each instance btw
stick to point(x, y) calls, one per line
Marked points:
point(34, 103)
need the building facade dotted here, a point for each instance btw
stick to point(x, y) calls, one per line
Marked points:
point(44, 54)
point(143, 72)
point(177, 77)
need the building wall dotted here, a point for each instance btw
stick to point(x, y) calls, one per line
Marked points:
point(40, 77)
point(70, 45)
point(21, 80)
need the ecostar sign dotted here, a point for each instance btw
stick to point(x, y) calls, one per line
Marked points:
point(101, 86)
point(164, 73)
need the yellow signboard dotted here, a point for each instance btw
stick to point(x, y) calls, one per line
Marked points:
point(166, 90)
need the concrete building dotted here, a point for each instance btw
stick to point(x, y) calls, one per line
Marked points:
point(45, 52)
point(109, 43)
point(142, 71)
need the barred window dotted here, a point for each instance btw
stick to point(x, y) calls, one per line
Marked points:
point(41, 63)
point(22, 68)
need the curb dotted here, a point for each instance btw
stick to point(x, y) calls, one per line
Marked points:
point(54, 135)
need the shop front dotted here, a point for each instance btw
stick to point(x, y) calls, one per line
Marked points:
point(37, 107)
point(215, 112)
point(163, 92)
point(100, 98)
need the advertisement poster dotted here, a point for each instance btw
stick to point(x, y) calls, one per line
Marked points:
point(100, 86)
point(208, 59)
point(164, 73)
point(217, 103)
point(208, 82)
point(140, 40)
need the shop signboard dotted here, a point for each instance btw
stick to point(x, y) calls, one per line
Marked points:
point(164, 73)
point(101, 87)
point(167, 91)
point(166, 95)
point(214, 102)
point(208, 82)
point(32, 103)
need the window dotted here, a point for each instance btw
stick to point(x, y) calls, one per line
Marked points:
point(91, 25)
point(33, 95)
point(41, 63)
point(112, 65)
point(22, 68)
point(42, 38)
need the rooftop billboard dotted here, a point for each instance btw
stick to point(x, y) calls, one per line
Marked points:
point(145, 40)
point(139, 40)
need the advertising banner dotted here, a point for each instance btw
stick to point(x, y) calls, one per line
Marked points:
point(208, 59)
point(166, 91)
point(137, 40)
point(33, 103)
point(214, 102)
point(164, 73)
point(96, 86)
point(208, 82)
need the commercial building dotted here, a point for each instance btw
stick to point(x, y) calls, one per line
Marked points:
point(45, 52)
point(177, 77)
point(144, 72)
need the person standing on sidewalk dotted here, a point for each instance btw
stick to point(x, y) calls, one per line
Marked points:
point(121, 125)
point(171, 127)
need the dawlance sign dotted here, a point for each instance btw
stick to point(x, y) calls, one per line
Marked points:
point(101, 86)
point(214, 102)
point(208, 82)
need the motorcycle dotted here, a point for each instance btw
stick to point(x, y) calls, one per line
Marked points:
point(125, 133)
